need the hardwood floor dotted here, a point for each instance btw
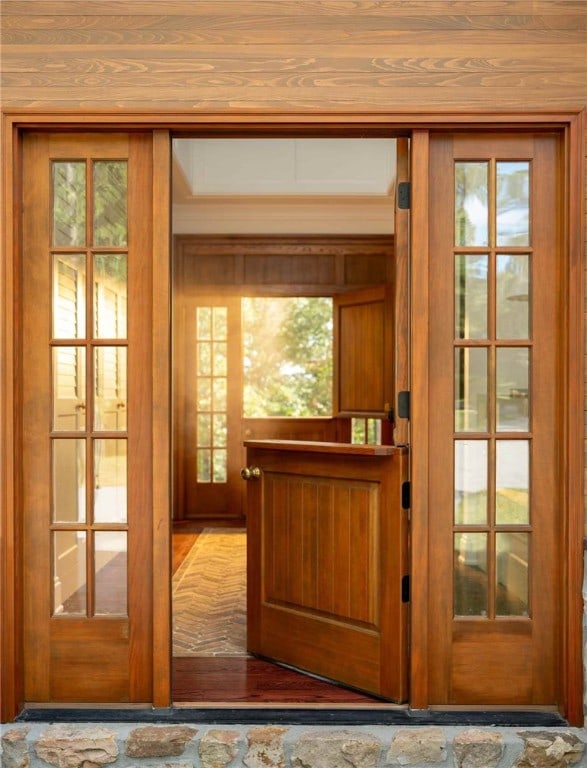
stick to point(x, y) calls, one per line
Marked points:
point(253, 681)
point(245, 680)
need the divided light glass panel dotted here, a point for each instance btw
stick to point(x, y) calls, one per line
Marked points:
point(212, 394)
point(89, 512)
point(492, 397)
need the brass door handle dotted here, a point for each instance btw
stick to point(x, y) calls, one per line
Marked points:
point(250, 473)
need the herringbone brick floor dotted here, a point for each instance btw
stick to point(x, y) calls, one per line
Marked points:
point(209, 596)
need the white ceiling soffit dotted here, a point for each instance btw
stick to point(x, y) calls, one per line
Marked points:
point(333, 167)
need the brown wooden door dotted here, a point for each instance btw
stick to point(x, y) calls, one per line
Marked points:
point(363, 352)
point(327, 556)
point(495, 465)
point(86, 413)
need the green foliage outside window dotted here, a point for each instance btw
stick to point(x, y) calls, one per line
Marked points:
point(287, 356)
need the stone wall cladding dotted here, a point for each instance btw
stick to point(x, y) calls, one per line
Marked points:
point(202, 746)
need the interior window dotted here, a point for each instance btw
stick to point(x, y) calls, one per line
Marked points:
point(287, 356)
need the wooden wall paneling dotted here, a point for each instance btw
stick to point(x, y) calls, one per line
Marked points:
point(294, 54)
point(313, 264)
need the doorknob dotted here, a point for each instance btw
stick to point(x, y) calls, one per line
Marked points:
point(250, 473)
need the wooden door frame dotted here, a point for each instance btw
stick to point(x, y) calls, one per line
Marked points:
point(259, 123)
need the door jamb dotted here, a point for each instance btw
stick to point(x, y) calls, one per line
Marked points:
point(309, 123)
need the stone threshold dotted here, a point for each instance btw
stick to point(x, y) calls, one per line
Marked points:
point(199, 745)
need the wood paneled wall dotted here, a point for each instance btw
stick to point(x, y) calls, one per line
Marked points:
point(294, 54)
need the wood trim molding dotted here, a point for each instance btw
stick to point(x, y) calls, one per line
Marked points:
point(573, 494)
point(293, 122)
point(11, 661)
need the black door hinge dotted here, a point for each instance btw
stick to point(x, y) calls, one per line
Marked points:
point(406, 495)
point(403, 404)
point(405, 589)
point(404, 195)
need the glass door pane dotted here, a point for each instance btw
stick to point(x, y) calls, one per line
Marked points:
point(91, 282)
point(492, 376)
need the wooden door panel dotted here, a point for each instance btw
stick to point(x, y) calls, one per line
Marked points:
point(507, 656)
point(327, 551)
point(86, 481)
point(500, 647)
point(363, 352)
point(321, 547)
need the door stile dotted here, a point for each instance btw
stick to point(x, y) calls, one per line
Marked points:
point(419, 367)
point(402, 294)
point(162, 418)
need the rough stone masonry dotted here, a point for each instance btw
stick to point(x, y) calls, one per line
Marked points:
point(271, 746)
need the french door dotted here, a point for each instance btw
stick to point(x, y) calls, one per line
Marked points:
point(495, 398)
point(86, 410)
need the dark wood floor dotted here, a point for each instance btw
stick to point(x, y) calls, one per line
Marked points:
point(245, 680)
point(253, 681)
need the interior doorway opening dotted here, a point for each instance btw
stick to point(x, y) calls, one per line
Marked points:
point(262, 230)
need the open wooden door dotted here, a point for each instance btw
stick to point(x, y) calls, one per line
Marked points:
point(327, 530)
point(327, 561)
point(86, 411)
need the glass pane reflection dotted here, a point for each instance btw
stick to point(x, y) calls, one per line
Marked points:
point(69, 481)
point(110, 202)
point(513, 203)
point(110, 295)
point(470, 390)
point(110, 406)
point(110, 574)
point(220, 323)
point(471, 209)
point(204, 323)
point(69, 573)
point(69, 203)
point(512, 551)
point(512, 389)
point(204, 359)
point(470, 574)
point(110, 481)
point(204, 431)
point(69, 389)
point(219, 459)
point(204, 465)
point(471, 296)
point(69, 288)
point(513, 292)
point(470, 482)
point(220, 349)
point(512, 482)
